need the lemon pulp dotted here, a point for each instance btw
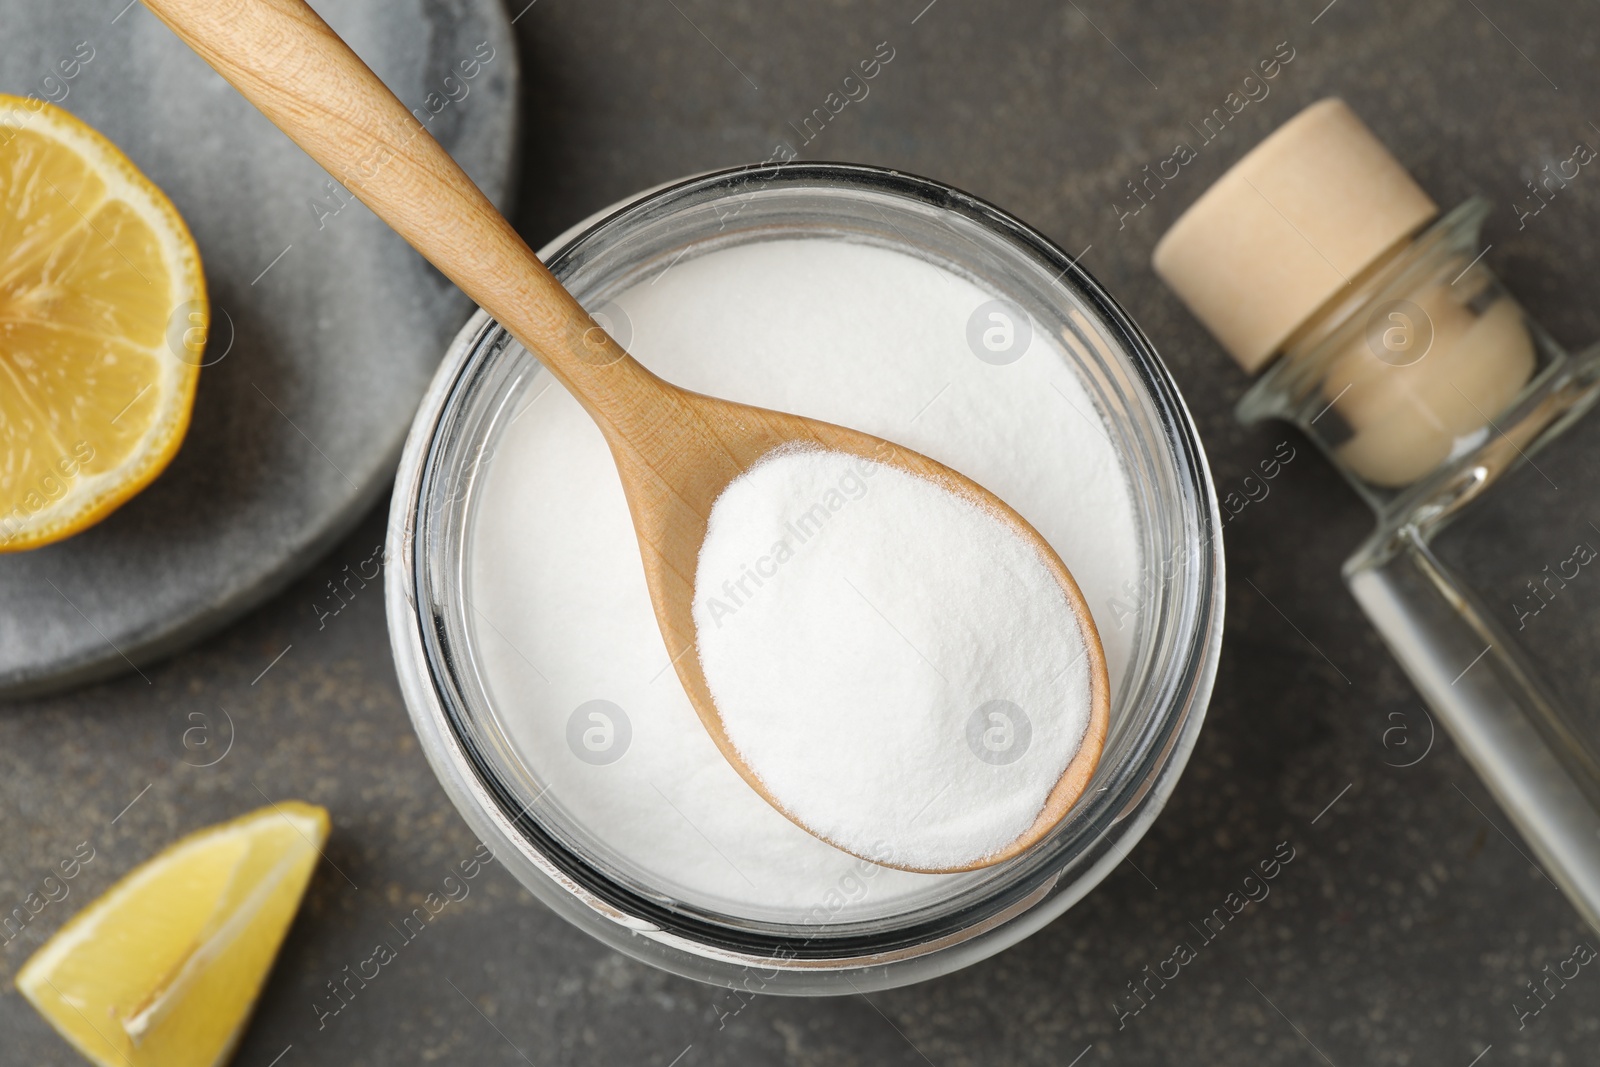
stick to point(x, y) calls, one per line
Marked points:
point(103, 320)
point(164, 968)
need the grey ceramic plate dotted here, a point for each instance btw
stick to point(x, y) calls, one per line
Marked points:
point(326, 326)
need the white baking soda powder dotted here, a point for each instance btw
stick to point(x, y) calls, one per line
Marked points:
point(568, 650)
point(877, 646)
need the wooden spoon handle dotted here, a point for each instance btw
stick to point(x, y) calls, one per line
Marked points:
point(286, 61)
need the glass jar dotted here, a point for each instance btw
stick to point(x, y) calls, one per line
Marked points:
point(852, 926)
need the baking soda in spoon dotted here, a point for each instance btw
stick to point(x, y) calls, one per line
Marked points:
point(897, 665)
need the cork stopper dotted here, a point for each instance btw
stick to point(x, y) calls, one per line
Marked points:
point(1289, 226)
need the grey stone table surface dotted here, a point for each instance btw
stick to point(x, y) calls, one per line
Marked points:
point(1411, 916)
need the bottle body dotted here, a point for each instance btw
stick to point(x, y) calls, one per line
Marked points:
point(1534, 750)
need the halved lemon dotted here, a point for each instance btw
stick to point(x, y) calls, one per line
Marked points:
point(103, 320)
point(165, 967)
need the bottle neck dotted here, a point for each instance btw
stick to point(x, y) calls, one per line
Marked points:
point(1420, 372)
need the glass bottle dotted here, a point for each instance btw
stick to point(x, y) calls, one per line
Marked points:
point(1458, 420)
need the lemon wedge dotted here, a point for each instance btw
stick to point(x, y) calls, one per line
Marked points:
point(165, 967)
point(103, 320)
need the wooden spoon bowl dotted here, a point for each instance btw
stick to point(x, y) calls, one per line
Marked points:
point(676, 451)
point(671, 484)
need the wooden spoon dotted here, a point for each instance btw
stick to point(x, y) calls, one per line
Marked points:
point(675, 450)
